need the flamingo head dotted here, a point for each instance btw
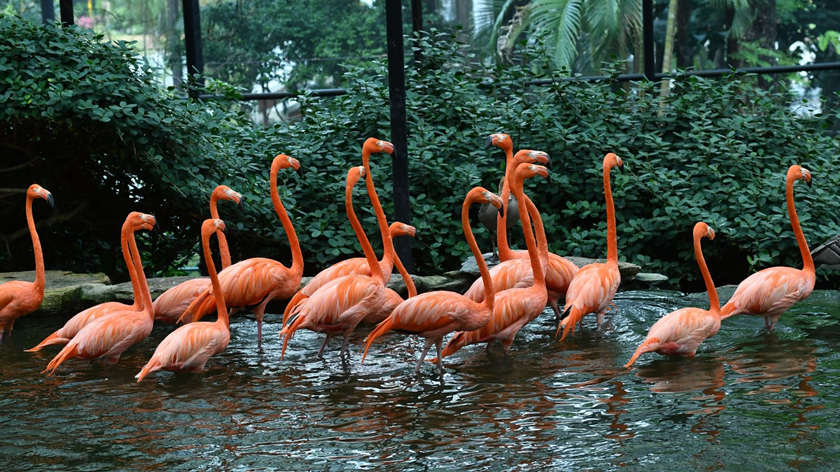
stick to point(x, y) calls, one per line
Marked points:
point(136, 220)
point(373, 145)
point(210, 226)
point(282, 161)
point(354, 175)
point(531, 157)
point(611, 160)
point(402, 229)
point(500, 140)
point(36, 191)
point(702, 230)
point(226, 193)
point(800, 173)
point(482, 195)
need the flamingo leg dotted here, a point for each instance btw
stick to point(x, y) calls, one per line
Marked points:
point(423, 356)
point(440, 364)
point(260, 312)
point(558, 314)
point(323, 346)
point(344, 344)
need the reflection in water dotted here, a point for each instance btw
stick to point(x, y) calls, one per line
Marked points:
point(673, 375)
point(615, 407)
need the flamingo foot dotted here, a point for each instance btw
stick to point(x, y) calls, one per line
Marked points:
point(423, 356)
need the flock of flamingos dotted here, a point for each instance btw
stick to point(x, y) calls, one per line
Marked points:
point(353, 291)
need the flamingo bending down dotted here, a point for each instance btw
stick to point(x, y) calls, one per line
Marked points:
point(133, 222)
point(188, 347)
point(770, 292)
point(341, 304)
point(18, 298)
point(109, 336)
point(258, 280)
point(515, 307)
point(680, 332)
point(434, 314)
point(594, 286)
point(171, 303)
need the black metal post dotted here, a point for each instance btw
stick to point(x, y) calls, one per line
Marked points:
point(396, 92)
point(66, 9)
point(192, 43)
point(417, 27)
point(647, 39)
point(47, 11)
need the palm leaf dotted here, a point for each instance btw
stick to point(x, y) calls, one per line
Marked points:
point(560, 21)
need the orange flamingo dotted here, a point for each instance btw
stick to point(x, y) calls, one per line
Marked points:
point(188, 347)
point(341, 304)
point(18, 298)
point(434, 314)
point(258, 280)
point(487, 214)
point(594, 286)
point(680, 332)
point(515, 307)
point(770, 292)
point(171, 303)
point(107, 337)
point(133, 222)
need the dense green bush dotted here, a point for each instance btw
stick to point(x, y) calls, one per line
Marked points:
point(717, 152)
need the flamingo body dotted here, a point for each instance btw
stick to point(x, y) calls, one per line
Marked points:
point(591, 291)
point(173, 302)
point(516, 273)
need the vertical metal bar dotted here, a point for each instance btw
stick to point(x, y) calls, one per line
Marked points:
point(417, 27)
point(47, 11)
point(66, 9)
point(396, 92)
point(192, 40)
point(647, 39)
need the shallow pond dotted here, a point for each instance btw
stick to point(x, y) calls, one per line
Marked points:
point(750, 400)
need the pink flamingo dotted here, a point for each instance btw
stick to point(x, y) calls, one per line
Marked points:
point(515, 307)
point(680, 332)
point(18, 298)
point(258, 280)
point(770, 292)
point(594, 286)
point(171, 303)
point(188, 347)
point(133, 222)
point(341, 304)
point(434, 314)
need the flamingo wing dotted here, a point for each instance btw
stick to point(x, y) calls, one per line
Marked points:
point(770, 291)
point(189, 347)
point(171, 303)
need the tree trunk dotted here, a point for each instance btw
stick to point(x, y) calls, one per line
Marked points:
point(683, 45)
point(173, 43)
point(667, 53)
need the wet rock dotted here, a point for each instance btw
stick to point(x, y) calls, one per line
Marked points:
point(62, 288)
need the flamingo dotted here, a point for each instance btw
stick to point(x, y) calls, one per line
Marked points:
point(680, 332)
point(770, 292)
point(515, 307)
point(515, 269)
point(593, 287)
point(434, 314)
point(108, 336)
point(258, 280)
point(188, 347)
point(487, 214)
point(171, 303)
point(133, 222)
point(342, 303)
point(18, 298)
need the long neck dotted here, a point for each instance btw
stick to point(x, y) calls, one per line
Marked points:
point(294, 244)
point(384, 231)
point(714, 302)
point(143, 285)
point(542, 242)
point(221, 309)
point(224, 251)
point(612, 243)
point(409, 283)
point(129, 265)
point(375, 270)
point(489, 293)
point(40, 276)
point(530, 242)
point(808, 262)
point(501, 221)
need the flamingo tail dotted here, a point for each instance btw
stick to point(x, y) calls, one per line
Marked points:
point(386, 325)
point(48, 341)
point(643, 348)
point(198, 308)
point(68, 352)
point(298, 297)
point(728, 310)
point(152, 366)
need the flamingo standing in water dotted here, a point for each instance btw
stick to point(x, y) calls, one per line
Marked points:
point(594, 286)
point(680, 332)
point(188, 347)
point(171, 303)
point(341, 304)
point(18, 298)
point(434, 314)
point(770, 292)
point(515, 307)
point(133, 222)
point(258, 280)
point(107, 337)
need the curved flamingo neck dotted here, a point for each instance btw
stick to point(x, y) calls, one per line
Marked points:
point(409, 282)
point(505, 252)
point(221, 309)
point(40, 275)
point(808, 262)
point(612, 240)
point(381, 221)
point(370, 256)
point(143, 285)
point(530, 242)
point(129, 264)
point(714, 302)
point(489, 293)
point(294, 244)
point(539, 229)
point(224, 250)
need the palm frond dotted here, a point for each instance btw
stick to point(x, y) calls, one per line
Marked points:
point(560, 20)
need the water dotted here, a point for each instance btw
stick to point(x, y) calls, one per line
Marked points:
point(750, 400)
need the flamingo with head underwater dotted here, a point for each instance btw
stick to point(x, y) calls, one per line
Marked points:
point(19, 298)
point(680, 332)
point(770, 292)
point(434, 314)
point(188, 347)
point(593, 287)
point(171, 303)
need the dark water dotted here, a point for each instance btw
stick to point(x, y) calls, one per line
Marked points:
point(750, 400)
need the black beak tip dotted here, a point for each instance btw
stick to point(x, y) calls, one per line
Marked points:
point(548, 163)
point(809, 183)
point(489, 140)
point(50, 201)
point(502, 211)
point(299, 171)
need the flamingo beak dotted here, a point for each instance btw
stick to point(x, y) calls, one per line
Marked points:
point(501, 211)
point(51, 201)
point(490, 140)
